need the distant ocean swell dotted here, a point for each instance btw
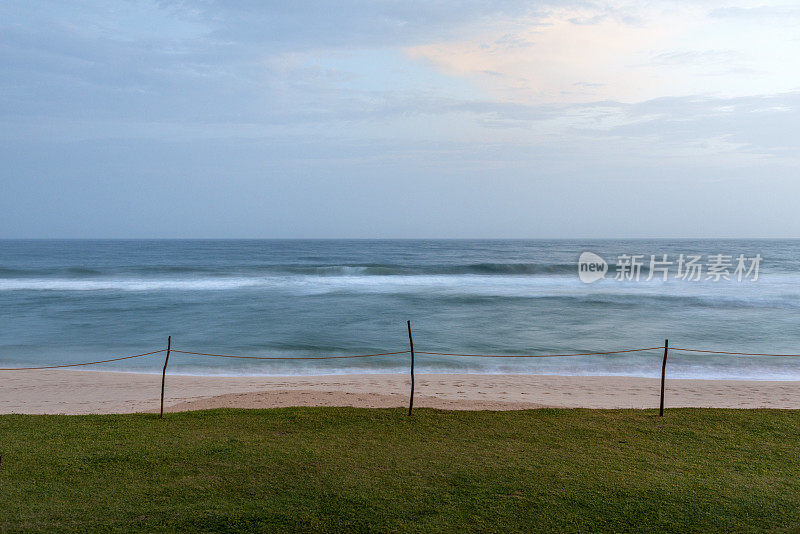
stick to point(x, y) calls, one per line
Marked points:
point(487, 269)
point(318, 270)
point(780, 290)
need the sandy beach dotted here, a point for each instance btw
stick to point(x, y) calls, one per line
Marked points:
point(87, 392)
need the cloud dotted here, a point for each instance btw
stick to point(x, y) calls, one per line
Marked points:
point(775, 13)
point(685, 57)
point(627, 53)
point(307, 25)
point(559, 54)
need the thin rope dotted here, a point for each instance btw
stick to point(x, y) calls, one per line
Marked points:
point(735, 353)
point(290, 357)
point(535, 355)
point(674, 349)
point(79, 364)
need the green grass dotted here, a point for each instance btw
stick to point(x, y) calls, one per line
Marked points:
point(348, 469)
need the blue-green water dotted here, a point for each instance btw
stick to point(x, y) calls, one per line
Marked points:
point(72, 301)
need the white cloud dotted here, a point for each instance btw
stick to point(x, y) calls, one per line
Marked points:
point(620, 53)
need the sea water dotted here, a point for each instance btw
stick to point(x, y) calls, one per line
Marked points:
point(64, 301)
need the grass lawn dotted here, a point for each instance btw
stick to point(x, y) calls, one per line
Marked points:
point(349, 469)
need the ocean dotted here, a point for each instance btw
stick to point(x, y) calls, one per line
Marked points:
point(64, 301)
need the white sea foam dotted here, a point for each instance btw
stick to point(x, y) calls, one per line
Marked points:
point(626, 366)
point(781, 290)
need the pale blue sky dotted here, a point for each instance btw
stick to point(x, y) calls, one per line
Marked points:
point(399, 119)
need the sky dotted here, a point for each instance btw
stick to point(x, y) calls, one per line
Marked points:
point(399, 119)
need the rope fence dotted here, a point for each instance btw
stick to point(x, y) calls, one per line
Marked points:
point(535, 355)
point(169, 350)
point(84, 363)
point(733, 353)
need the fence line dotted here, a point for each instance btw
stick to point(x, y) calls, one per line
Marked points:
point(673, 349)
point(734, 353)
point(536, 355)
point(79, 364)
point(411, 352)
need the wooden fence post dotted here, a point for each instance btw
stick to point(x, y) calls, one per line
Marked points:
point(663, 373)
point(411, 342)
point(164, 374)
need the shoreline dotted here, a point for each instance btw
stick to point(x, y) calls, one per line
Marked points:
point(420, 373)
point(103, 392)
